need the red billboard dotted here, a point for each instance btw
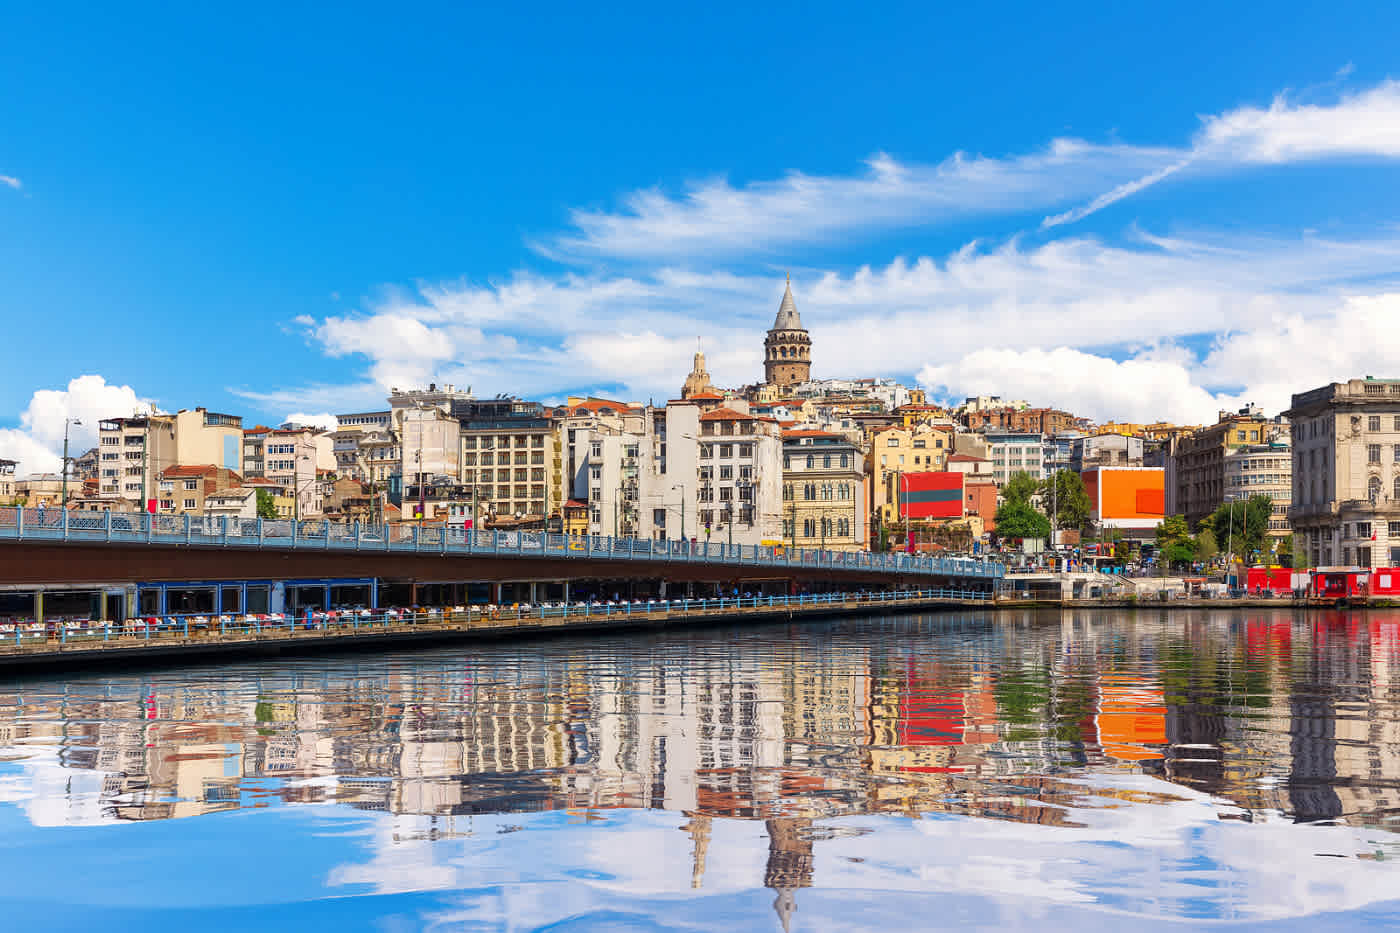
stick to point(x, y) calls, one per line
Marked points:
point(931, 495)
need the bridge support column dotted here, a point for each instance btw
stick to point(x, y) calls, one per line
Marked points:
point(413, 594)
point(566, 591)
point(38, 605)
point(374, 593)
point(534, 592)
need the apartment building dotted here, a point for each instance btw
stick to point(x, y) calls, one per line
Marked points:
point(132, 452)
point(7, 481)
point(509, 454)
point(1106, 449)
point(823, 491)
point(185, 489)
point(294, 459)
point(1262, 470)
point(1197, 470)
point(1015, 452)
point(1346, 473)
point(919, 449)
point(351, 430)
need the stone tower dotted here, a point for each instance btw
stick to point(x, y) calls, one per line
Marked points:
point(699, 379)
point(787, 350)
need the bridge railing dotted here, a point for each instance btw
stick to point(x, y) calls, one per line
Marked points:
point(226, 531)
point(176, 628)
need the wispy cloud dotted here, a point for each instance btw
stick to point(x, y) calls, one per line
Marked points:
point(715, 218)
point(11, 181)
point(1362, 124)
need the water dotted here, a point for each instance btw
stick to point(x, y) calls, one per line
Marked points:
point(1084, 770)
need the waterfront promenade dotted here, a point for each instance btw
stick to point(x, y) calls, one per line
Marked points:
point(82, 643)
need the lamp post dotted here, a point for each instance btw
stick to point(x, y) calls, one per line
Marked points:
point(682, 489)
point(298, 486)
point(66, 423)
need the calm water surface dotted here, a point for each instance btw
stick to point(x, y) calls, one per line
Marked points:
point(951, 771)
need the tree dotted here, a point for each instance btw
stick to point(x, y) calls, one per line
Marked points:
point(267, 508)
point(1019, 520)
point(1064, 493)
point(1020, 487)
point(1206, 548)
point(1174, 540)
point(1241, 526)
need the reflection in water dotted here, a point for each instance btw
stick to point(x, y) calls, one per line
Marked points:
point(1144, 763)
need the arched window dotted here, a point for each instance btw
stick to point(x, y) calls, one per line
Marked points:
point(1396, 493)
point(843, 527)
point(787, 492)
point(826, 462)
point(1373, 489)
point(808, 528)
point(809, 492)
point(811, 461)
point(845, 461)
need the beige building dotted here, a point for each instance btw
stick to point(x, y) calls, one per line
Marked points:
point(235, 502)
point(1196, 471)
point(42, 490)
point(132, 452)
point(823, 492)
point(924, 448)
point(511, 461)
point(183, 489)
point(1346, 473)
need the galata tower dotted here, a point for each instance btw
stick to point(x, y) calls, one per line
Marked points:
point(787, 350)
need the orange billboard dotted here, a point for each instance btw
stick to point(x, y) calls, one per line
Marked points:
point(1126, 497)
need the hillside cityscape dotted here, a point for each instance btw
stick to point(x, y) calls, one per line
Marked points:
point(845, 464)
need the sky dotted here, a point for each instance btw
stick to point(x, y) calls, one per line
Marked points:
point(1134, 214)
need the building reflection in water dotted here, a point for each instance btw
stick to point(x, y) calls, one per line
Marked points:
point(989, 717)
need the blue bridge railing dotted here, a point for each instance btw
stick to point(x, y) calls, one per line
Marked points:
point(222, 531)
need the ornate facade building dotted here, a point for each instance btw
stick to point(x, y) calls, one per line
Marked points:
point(698, 381)
point(787, 350)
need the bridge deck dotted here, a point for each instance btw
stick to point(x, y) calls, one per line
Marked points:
point(132, 641)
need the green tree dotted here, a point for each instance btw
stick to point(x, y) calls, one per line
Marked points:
point(1242, 526)
point(1019, 520)
point(1174, 540)
point(1020, 487)
point(267, 508)
point(1064, 492)
point(1206, 548)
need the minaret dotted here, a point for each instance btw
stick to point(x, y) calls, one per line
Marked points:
point(787, 350)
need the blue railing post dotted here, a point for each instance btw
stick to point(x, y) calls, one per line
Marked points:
point(19, 521)
point(416, 529)
point(357, 534)
point(223, 530)
point(65, 521)
point(107, 524)
point(187, 527)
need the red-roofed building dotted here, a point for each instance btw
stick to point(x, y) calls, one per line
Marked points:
point(182, 489)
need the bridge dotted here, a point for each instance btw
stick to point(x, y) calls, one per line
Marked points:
point(57, 564)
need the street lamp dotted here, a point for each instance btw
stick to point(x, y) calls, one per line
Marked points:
point(66, 423)
point(682, 489)
point(298, 486)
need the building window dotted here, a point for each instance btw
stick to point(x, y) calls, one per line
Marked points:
point(189, 503)
point(809, 528)
point(787, 490)
point(1373, 453)
point(845, 461)
point(1373, 492)
point(658, 518)
point(811, 462)
point(1373, 423)
point(787, 528)
point(892, 442)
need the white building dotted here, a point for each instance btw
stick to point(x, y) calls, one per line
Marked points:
point(1013, 453)
point(1346, 473)
point(1262, 470)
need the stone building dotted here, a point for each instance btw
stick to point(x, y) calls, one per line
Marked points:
point(1346, 473)
point(787, 350)
point(1262, 470)
point(1197, 468)
point(698, 380)
point(823, 492)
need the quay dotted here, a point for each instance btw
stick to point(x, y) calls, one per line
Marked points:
point(143, 641)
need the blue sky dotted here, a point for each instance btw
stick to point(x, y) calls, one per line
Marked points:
point(286, 212)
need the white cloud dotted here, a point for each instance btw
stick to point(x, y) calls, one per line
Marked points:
point(11, 181)
point(325, 420)
point(1265, 365)
point(38, 445)
point(542, 337)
